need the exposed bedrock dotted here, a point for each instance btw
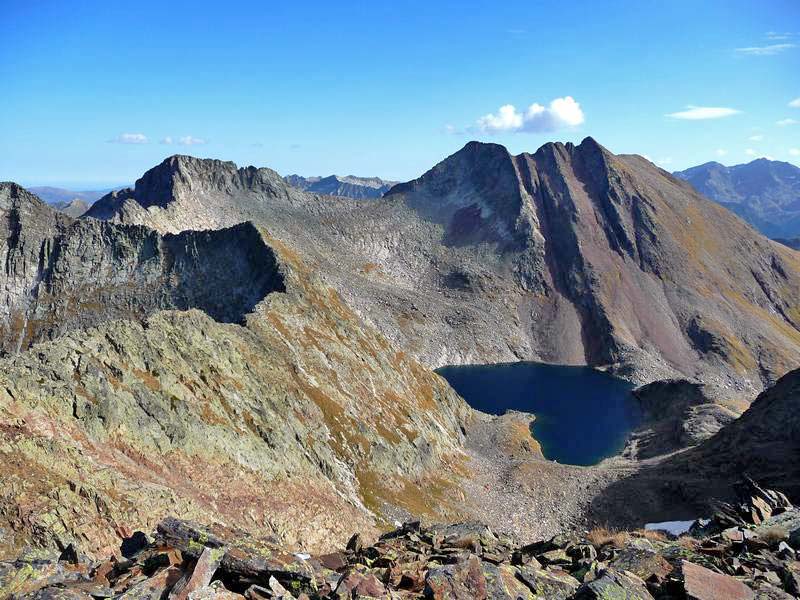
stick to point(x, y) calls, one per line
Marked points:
point(62, 274)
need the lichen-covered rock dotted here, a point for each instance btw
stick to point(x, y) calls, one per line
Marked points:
point(64, 275)
point(613, 585)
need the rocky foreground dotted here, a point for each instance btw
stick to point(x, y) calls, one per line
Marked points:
point(746, 551)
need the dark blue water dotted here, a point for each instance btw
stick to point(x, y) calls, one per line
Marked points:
point(582, 415)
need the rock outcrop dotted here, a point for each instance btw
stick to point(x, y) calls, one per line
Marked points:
point(762, 443)
point(569, 255)
point(678, 414)
point(61, 274)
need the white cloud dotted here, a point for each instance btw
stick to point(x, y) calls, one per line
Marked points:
point(129, 138)
point(769, 50)
point(795, 103)
point(720, 152)
point(188, 140)
point(776, 35)
point(754, 154)
point(697, 113)
point(756, 138)
point(786, 122)
point(794, 151)
point(451, 129)
point(561, 113)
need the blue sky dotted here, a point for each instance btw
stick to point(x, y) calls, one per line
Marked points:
point(93, 90)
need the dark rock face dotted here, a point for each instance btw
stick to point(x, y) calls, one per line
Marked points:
point(765, 193)
point(348, 187)
point(763, 443)
point(62, 274)
point(678, 413)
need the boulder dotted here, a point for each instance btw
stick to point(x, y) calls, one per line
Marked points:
point(614, 584)
point(700, 583)
point(555, 584)
point(201, 574)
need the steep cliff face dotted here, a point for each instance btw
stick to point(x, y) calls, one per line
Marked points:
point(298, 421)
point(62, 274)
point(568, 255)
point(650, 265)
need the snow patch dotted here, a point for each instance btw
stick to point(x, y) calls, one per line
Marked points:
point(673, 527)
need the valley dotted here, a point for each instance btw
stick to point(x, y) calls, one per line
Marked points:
point(217, 344)
point(399, 300)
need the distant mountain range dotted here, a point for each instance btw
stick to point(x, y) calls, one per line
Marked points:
point(349, 186)
point(69, 202)
point(765, 193)
point(53, 195)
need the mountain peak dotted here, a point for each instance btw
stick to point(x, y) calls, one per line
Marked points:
point(12, 195)
point(763, 192)
point(349, 186)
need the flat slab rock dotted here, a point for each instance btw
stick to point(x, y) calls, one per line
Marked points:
point(703, 584)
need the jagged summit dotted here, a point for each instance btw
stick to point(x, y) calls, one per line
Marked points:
point(182, 174)
point(184, 192)
point(13, 194)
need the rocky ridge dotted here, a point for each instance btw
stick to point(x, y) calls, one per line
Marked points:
point(62, 274)
point(568, 255)
point(733, 557)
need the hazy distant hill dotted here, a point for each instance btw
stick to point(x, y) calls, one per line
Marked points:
point(766, 193)
point(69, 202)
point(74, 208)
point(349, 186)
point(53, 195)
